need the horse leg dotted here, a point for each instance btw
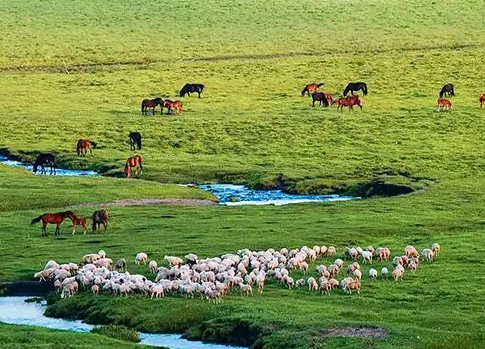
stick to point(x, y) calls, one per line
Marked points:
point(105, 224)
point(44, 228)
point(58, 229)
point(313, 104)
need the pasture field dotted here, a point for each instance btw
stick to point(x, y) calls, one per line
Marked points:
point(82, 70)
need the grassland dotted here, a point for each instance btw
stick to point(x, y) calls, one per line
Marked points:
point(251, 126)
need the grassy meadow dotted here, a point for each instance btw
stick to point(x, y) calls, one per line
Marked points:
point(82, 69)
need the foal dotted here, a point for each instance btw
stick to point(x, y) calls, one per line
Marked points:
point(83, 145)
point(134, 161)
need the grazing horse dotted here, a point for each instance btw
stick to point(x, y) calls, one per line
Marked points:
point(45, 159)
point(481, 99)
point(443, 104)
point(135, 139)
point(134, 161)
point(447, 90)
point(83, 145)
point(191, 88)
point(355, 86)
point(348, 102)
point(321, 98)
point(53, 218)
point(171, 105)
point(100, 217)
point(311, 88)
point(329, 98)
point(78, 221)
point(151, 103)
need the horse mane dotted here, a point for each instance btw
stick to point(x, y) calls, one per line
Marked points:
point(347, 89)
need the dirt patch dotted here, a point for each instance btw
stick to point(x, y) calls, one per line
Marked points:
point(146, 202)
point(360, 332)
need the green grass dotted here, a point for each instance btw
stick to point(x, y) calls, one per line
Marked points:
point(251, 126)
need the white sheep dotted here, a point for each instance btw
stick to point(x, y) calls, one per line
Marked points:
point(102, 254)
point(411, 251)
point(373, 273)
point(152, 266)
point(141, 258)
point(384, 272)
point(312, 284)
point(366, 257)
point(172, 260)
point(427, 254)
point(435, 248)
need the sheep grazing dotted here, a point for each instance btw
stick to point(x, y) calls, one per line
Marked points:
point(90, 258)
point(370, 249)
point(339, 263)
point(366, 257)
point(173, 261)
point(384, 272)
point(312, 284)
point(435, 248)
point(353, 285)
point(304, 267)
point(152, 266)
point(300, 283)
point(427, 254)
point(323, 250)
point(411, 251)
point(326, 287)
point(245, 289)
point(95, 289)
point(413, 265)
point(191, 259)
point(398, 273)
point(102, 254)
point(331, 251)
point(103, 262)
point(352, 253)
point(373, 273)
point(141, 258)
point(289, 282)
point(51, 264)
point(358, 274)
point(121, 264)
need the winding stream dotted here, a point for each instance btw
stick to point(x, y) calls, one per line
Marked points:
point(14, 310)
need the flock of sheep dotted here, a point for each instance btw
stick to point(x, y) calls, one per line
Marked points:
point(213, 278)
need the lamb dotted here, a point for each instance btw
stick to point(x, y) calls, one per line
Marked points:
point(373, 273)
point(172, 261)
point(352, 253)
point(90, 258)
point(141, 258)
point(326, 287)
point(245, 289)
point(103, 262)
point(304, 267)
point(289, 282)
point(312, 284)
point(398, 273)
point(366, 257)
point(44, 274)
point(95, 289)
point(385, 272)
point(435, 248)
point(427, 254)
point(411, 251)
point(152, 266)
point(300, 282)
point(354, 285)
point(331, 251)
point(102, 254)
point(121, 264)
point(357, 273)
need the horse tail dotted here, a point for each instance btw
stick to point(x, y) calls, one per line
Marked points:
point(35, 220)
point(364, 88)
point(94, 144)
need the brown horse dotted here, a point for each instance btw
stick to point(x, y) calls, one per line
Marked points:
point(311, 88)
point(171, 105)
point(481, 99)
point(53, 218)
point(348, 102)
point(329, 98)
point(100, 217)
point(443, 104)
point(78, 221)
point(83, 145)
point(134, 161)
point(151, 103)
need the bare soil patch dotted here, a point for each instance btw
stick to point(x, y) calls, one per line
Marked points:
point(360, 332)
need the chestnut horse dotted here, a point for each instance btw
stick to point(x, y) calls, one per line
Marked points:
point(311, 88)
point(481, 99)
point(78, 221)
point(151, 103)
point(53, 218)
point(171, 105)
point(45, 159)
point(443, 104)
point(348, 102)
point(134, 161)
point(83, 145)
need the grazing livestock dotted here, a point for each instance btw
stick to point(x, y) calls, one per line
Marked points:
point(447, 91)
point(321, 98)
point(83, 145)
point(133, 161)
point(45, 159)
point(78, 221)
point(172, 105)
point(355, 86)
point(151, 103)
point(191, 88)
point(481, 99)
point(443, 104)
point(100, 217)
point(135, 140)
point(348, 102)
point(311, 88)
point(53, 218)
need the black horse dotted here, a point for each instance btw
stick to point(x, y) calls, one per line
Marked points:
point(320, 97)
point(100, 217)
point(191, 88)
point(150, 103)
point(45, 159)
point(355, 86)
point(447, 90)
point(135, 139)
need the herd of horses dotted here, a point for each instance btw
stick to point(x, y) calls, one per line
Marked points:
point(171, 106)
point(99, 218)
